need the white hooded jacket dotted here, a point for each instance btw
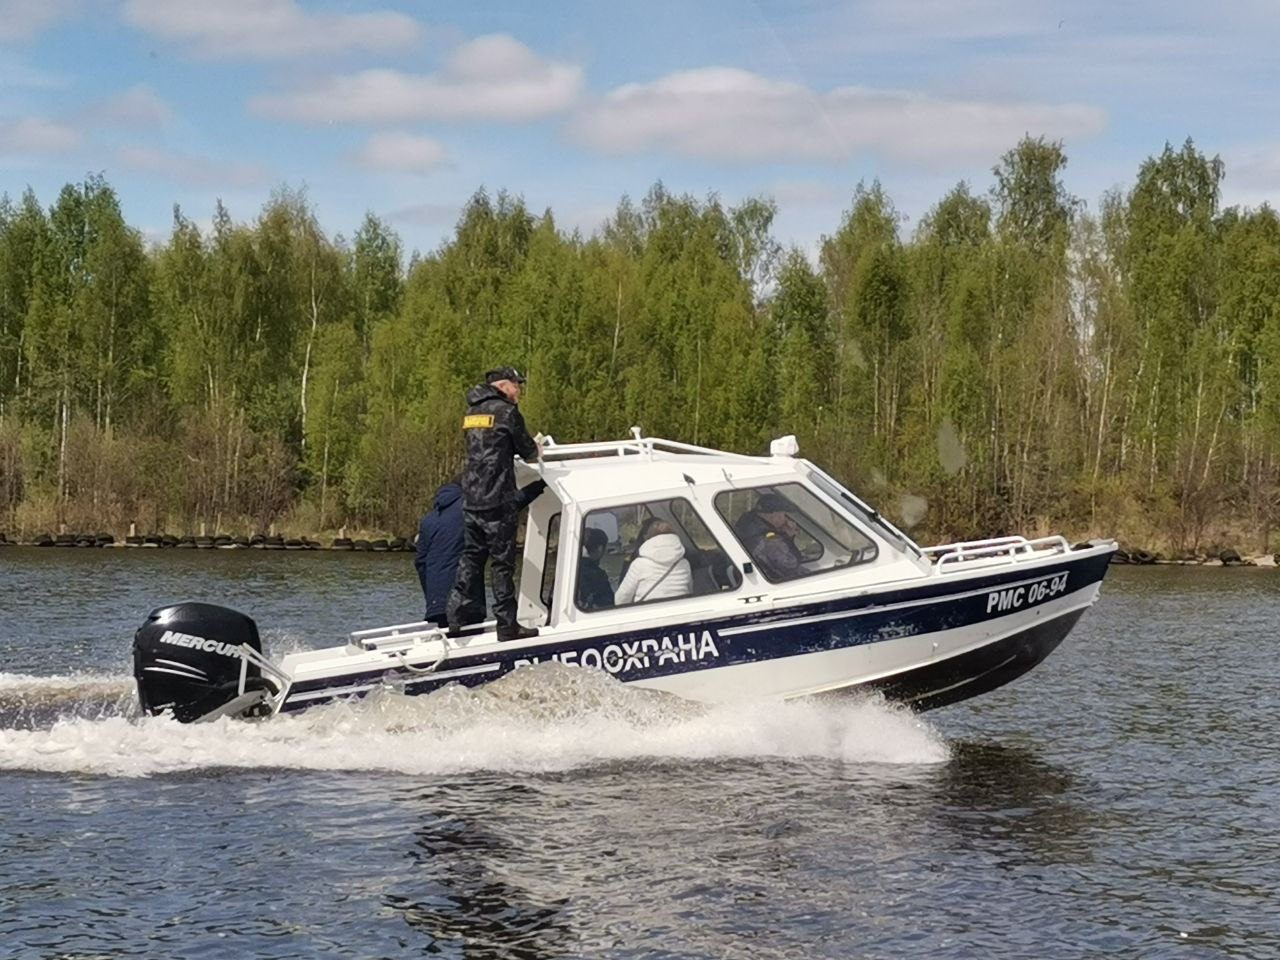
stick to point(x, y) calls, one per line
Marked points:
point(658, 572)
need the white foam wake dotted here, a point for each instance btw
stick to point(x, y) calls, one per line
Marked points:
point(32, 701)
point(547, 718)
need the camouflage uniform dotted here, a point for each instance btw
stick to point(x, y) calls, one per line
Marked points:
point(495, 435)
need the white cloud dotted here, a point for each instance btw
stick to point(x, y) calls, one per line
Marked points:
point(136, 108)
point(1253, 167)
point(403, 153)
point(804, 193)
point(38, 135)
point(960, 20)
point(195, 171)
point(17, 76)
point(268, 29)
point(24, 19)
point(731, 115)
point(490, 78)
point(1252, 176)
point(587, 219)
point(428, 214)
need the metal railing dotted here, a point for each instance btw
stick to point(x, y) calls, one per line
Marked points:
point(637, 445)
point(947, 556)
point(399, 635)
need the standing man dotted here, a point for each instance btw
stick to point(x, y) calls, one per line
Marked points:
point(440, 543)
point(495, 436)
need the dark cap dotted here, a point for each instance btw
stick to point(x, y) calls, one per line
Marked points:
point(504, 373)
point(773, 503)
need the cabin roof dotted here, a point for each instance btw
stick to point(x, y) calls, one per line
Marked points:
point(643, 469)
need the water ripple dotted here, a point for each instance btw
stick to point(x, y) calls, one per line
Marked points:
point(1118, 801)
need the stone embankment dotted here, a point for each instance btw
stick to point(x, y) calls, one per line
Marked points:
point(218, 542)
point(1219, 558)
point(1130, 555)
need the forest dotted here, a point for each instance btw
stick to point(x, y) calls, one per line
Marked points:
point(1017, 362)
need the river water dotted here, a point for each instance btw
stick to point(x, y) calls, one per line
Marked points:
point(1123, 799)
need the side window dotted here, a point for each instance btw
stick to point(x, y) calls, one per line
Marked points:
point(790, 533)
point(713, 571)
point(644, 552)
point(549, 563)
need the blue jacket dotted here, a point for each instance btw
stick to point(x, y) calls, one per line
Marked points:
point(440, 540)
point(440, 549)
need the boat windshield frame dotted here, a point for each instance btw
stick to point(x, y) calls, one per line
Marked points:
point(864, 513)
point(804, 523)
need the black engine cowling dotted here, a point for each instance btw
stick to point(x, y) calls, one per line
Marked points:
point(187, 660)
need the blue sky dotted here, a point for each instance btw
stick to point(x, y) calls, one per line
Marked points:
point(405, 109)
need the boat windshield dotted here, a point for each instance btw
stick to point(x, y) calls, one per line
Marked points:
point(870, 517)
point(790, 533)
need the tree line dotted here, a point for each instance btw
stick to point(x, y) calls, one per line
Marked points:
point(1015, 363)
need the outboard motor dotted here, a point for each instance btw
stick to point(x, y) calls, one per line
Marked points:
point(187, 659)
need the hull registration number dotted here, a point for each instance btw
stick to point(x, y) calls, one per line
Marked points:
point(1012, 598)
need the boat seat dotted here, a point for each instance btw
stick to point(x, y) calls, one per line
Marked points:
point(712, 572)
point(726, 573)
point(702, 582)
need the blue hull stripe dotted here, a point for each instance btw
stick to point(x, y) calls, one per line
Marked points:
point(879, 608)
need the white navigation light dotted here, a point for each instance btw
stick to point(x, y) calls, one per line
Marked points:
point(784, 446)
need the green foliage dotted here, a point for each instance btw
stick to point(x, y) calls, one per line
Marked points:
point(24, 235)
point(1017, 364)
point(1033, 208)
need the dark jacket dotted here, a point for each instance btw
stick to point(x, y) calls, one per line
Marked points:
point(440, 539)
point(772, 550)
point(439, 549)
point(595, 592)
point(495, 436)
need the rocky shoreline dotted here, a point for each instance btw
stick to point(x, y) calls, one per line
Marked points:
point(1125, 555)
point(216, 542)
point(1222, 558)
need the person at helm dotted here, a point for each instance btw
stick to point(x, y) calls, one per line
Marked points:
point(768, 532)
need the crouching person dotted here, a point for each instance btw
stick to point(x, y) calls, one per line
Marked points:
point(440, 541)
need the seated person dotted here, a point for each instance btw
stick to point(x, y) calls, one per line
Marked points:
point(607, 523)
point(768, 533)
point(659, 570)
point(595, 592)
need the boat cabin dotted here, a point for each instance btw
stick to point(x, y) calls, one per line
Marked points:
point(661, 527)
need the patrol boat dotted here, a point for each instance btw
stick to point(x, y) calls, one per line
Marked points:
point(788, 585)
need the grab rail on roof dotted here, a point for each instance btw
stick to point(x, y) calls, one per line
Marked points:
point(637, 446)
point(1009, 549)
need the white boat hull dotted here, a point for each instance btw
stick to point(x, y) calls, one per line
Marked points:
point(928, 643)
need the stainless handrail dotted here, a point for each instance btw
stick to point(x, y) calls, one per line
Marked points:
point(1012, 549)
point(635, 445)
point(249, 655)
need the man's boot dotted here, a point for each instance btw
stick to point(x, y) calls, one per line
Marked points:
point(517, 632)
